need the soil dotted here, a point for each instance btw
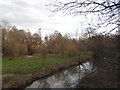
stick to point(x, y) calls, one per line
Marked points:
point(6, 75)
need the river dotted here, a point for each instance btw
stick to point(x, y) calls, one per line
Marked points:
point(67, 78)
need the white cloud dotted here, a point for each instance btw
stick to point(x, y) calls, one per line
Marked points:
point(33, 14)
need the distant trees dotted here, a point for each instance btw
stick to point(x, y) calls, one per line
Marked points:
point(102, 46)
point(107, 12)
point(13, 43)
point(17, 42)
point(71, 49)
point(60, 45)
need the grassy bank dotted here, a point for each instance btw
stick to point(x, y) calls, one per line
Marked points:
point(19, 65)
point(21, 71)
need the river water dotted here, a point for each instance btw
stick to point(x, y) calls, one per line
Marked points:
point(67, 78)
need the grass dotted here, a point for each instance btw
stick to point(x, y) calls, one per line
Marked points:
point(27, 69)
point(28, 64)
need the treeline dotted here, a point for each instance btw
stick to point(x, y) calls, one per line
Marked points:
point(104, 46)
point(20, 42)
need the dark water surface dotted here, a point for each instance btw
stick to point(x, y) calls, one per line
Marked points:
point(68, 78)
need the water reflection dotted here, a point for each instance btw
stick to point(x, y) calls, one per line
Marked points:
point(68, 78)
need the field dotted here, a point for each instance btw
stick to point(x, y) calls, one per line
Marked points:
point(19, 65)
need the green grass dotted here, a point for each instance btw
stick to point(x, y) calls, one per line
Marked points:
point(18, 65)
point(0, 65)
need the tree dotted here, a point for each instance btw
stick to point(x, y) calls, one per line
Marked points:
point(71, 48)
point(106, 10)
point(44, 52)
point(5, 25)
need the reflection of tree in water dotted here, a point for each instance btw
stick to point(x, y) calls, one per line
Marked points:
point(67, 81)
point(84, 69)
point(53, 80)
point(81, 72)
point(43, 84)
point(71, 78)
point(72, 70)
point(58, 79)
point(88, 66)
point(59, 76)
point(66, 78)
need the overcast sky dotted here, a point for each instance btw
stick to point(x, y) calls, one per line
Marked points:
point(33, 14)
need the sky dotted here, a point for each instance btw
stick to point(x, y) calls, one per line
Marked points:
point(34, 14)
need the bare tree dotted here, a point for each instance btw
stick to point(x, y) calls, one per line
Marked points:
point(43, 53)
point(106, 10)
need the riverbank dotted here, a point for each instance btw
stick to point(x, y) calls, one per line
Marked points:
point(105, 77)
point(21, 79)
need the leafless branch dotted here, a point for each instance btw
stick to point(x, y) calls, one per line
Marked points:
point(107, 10)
